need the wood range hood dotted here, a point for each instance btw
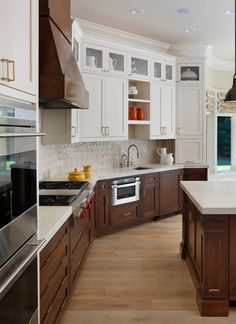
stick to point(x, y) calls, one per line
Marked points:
point(60, 83)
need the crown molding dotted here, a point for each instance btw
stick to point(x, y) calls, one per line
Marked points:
point(189, 50)
point(91, 29)
point(219, 64)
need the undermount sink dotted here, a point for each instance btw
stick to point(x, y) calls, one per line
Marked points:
point(141, 168)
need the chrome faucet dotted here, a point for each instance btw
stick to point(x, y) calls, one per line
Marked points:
point(128, 159)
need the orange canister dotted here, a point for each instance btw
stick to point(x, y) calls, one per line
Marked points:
point(132, 113)
point(140, 113)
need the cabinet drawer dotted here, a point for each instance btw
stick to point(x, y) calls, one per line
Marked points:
point(124, 214)
point(52, 288)
point(53, 262)
point(77, 231)
point(149, 179)
point(79, 252)
point(53, 245)
point(56, 308)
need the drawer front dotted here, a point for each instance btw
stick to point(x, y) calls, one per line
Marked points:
point(76, 232)
point(53, 262)
point(79, 252)
point(53, 244)
point(124, 214)
point(56, 308)
point(52, 289)
point(149, 179)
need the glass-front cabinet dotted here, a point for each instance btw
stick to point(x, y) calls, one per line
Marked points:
point(138, 67)
point(110, 61)
point(190, 73)
point(163, 71)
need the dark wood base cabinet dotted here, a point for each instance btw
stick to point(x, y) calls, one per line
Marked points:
point(209, 246)
point(61, 262)
point(54, 276)
point(160, 195)
point(170, 192)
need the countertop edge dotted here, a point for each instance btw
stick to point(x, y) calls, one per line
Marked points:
point(53, 224)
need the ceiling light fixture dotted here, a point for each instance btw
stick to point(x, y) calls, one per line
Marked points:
point(230, 11)
point(231, 94)
point(137, 11)
point(184, 11)
point(190, 30)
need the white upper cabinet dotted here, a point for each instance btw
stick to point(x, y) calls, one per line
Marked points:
point(18, 50)
point(162, 111)
point(189, 111)
point(190, 73)
point(163, 71)
point(105, 60)
point(106, 118)
point(138, 67)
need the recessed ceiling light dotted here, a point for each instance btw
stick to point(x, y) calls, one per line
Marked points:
point(184, 11)
point(190, 30)
point(137, 11)
point(230, 11)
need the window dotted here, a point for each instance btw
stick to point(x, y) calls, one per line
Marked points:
point(223, 143)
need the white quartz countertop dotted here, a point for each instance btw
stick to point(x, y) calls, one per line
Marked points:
point(212, 197)
point(51, 218)
point(151, 168)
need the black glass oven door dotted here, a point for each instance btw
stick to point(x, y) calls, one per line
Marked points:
point(17, 177)
point(126, 192)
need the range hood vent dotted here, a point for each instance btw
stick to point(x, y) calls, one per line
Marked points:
point(60, 83)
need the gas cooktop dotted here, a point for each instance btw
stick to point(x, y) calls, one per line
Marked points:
point(72, 185)
point(53, 200)
point(60, 193)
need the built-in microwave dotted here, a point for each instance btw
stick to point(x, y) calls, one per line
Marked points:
point(124, 190)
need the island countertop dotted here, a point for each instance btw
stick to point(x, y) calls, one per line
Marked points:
point(212, 197)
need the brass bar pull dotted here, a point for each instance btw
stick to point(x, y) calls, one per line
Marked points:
point(127, 214)
point(73, 129)
point(13, 70)
point(7, 63)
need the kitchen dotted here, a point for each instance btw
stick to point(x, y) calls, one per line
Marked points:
point(118, 155)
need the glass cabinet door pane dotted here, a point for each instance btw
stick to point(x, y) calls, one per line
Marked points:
point(94, 58)
point(169, 72)
point(116, 62)
point(157, 70)
point(189, 73)
point(139, 66)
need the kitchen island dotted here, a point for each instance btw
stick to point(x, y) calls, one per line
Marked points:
point(209, 241)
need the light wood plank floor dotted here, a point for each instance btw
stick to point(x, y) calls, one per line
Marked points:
point(137, 276)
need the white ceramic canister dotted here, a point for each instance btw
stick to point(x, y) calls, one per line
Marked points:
point(162, 153)
point(169, 159)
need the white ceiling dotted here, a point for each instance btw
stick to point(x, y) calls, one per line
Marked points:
point(161, 21)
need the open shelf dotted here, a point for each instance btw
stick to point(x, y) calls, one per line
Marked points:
point(139, 122)
point(138, 100)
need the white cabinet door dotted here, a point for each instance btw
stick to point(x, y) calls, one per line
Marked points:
point(18, 50)
point(190, 151)
point(190, 112)
point(162, 111)
point(93, 119)
point(168, 110)
point(138, 67)
point(106, 118)
point(163, 71)
point(116, 107)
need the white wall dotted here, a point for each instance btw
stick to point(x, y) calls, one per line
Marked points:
point(218, 79)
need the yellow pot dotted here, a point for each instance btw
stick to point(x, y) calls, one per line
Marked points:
point(76, 175)
point(88, 171)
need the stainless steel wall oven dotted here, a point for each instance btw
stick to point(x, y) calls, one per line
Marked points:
point(18, 212)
